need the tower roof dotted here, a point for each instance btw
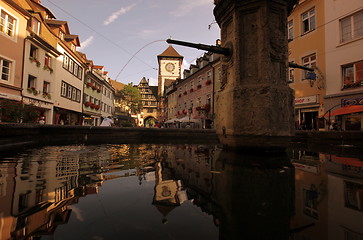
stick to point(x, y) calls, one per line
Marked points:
point(170, 52)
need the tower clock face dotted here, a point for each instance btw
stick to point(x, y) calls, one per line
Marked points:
point(170, 67)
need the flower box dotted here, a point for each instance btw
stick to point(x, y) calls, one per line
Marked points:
point(32, 90)
point(94, 87)
point(185, 93)
point(89, 84)
point(180, 95)
point(199, 86)
point(46, 95)
point(45, 67)
point(191, 90)
point(33, 59)
point(87, 104)
point(208, 82)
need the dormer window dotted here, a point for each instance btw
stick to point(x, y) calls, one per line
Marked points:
point(73, 47)
point(35, 26)
point(61, 35)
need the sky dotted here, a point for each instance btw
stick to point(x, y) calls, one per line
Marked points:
point(126, 36)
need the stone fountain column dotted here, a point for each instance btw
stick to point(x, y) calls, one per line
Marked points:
point(254, 106)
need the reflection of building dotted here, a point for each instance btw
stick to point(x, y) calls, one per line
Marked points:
point(311, 195)
point(345, 195)
point(168, 192)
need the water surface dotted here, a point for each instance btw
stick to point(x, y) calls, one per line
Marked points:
point(178, 192)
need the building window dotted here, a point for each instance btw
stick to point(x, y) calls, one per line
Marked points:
point(73, 47)
point(65, 61)
point(352, 75)
point(47, 60)
point(209, 75)
point(31, 81)
point(290, 30)
point(310, 62)
point(7, 24)
point(79, 74)
point(5, 69)
point(46, 87)
point(74, 94)
point(69, 91)
point(35, 26)
point(308, 21)
point(71, 65)
point(291, 75)
point(61, 35)
point(351, 27)
point(64, 89)
point(78, 97)
point(33, 51)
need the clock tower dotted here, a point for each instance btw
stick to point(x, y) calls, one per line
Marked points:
point(170, 62)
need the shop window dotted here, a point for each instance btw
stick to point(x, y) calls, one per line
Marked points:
point(351, 27)
point(308, 21)
point(353, 195)
point(353, 123)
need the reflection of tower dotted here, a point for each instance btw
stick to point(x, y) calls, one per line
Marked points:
point(170, 62)
point(168, 193)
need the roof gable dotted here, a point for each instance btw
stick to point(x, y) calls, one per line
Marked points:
point(170, 52)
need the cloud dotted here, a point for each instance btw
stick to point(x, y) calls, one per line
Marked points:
point(115, 15)
point(148, 32)
point(86, 42)
point(187, 6)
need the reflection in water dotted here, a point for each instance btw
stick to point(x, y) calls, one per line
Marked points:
point(178, 192)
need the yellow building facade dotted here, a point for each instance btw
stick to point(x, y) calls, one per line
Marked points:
point(306, 34)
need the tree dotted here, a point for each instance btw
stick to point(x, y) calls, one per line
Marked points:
point(131, 97)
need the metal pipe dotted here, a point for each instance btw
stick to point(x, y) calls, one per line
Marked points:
point(294, 65)
point(210, 48)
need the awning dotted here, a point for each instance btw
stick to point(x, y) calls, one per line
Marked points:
point(345, 110)
point(347, 161)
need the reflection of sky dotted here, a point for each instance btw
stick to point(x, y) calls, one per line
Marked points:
point(123, 208)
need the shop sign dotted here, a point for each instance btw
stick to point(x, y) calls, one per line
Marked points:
point(37, 103)
point(353, 101)
point(307, 100)
point(306, 168)
point(10, 96)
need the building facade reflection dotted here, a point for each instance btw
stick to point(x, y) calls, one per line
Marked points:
point(302, 195)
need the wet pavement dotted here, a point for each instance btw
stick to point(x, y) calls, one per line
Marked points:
point(179, 192)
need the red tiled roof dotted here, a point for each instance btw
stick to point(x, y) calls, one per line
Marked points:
point(170, 52)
